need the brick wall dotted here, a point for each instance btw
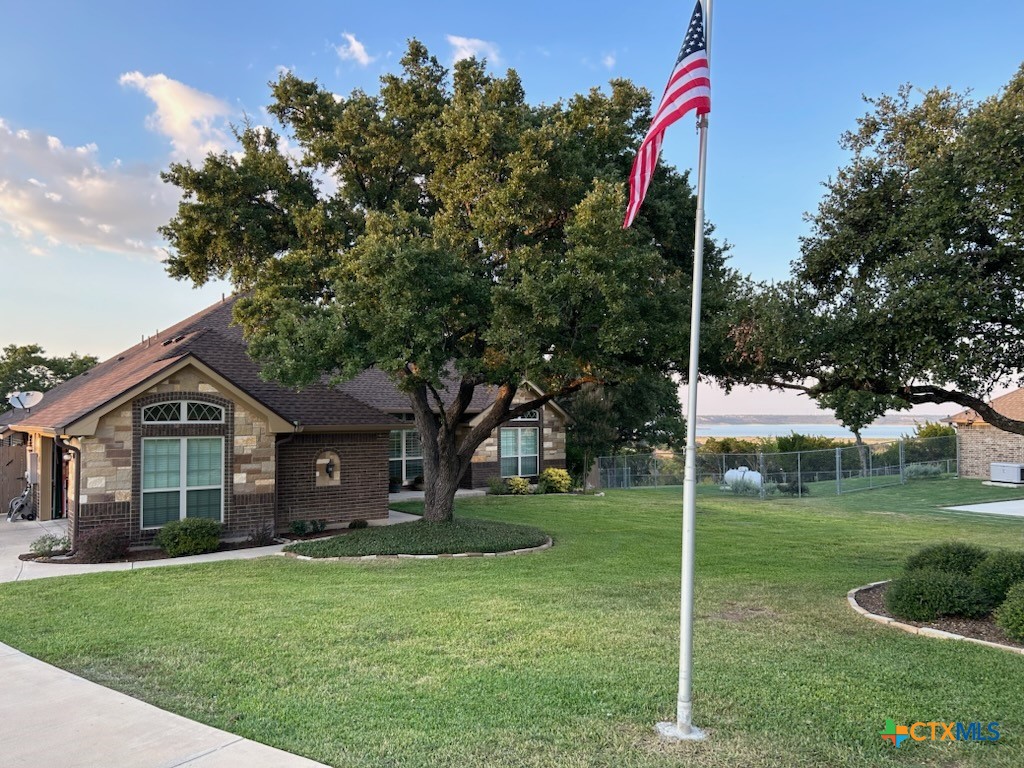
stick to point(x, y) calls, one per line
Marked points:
point(982, 444)
point(362, 487)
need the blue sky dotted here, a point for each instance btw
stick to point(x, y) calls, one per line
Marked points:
point(96, 98)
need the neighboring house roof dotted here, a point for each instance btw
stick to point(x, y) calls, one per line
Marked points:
point(209, 339)
point(1010, 405)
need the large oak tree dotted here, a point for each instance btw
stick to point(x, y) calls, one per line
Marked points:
point(447, 232)
point(910, 287)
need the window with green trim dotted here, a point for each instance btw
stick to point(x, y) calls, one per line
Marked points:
point(182, 477)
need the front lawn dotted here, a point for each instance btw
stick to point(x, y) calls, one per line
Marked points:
point(562, 659)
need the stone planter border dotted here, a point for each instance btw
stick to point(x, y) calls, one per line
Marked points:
point(851, 597)
point(546, 545)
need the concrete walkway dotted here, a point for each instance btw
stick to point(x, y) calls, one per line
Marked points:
point(17, 537)
point(50, 718)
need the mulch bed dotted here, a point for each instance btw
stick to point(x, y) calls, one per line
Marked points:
point(872, 599)
point(135, 555)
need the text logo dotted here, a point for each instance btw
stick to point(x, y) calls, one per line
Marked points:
point(935, 730)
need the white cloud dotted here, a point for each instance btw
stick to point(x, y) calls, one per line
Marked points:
point(194, 121)
point(468, 47)
point(53, 195)
point(608, 60)
point(353, 50)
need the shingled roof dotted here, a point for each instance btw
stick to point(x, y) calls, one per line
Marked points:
point(374, 388)
point(1010, 405)
point(209, 338)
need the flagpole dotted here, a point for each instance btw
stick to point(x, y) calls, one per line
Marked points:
point(683, 728)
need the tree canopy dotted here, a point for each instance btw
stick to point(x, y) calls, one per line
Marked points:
point(444, 229)
point(26, 368)
point(910, 287)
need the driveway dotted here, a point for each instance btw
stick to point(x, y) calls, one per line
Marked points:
point(1013, 508)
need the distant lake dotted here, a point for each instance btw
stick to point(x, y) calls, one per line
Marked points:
point(878, 432)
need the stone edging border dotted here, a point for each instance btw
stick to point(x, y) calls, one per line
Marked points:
point(942, 634)
point(546, 545)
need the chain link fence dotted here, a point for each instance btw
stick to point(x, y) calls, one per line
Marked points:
point(797, 473)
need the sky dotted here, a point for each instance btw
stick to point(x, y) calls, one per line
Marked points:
point(97, 98)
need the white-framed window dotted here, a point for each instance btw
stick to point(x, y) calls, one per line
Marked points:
point(182, 477)
point(183, 412)
point(528, 416)
point(405, 455)
point(518, 451)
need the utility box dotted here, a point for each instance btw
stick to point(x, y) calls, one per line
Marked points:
point(1004, 472)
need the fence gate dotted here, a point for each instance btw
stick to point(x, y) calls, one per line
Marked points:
point(12, 472)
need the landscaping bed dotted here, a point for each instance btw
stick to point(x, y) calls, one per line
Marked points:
point(872, 600)
point(134, 555)
point(461, 535)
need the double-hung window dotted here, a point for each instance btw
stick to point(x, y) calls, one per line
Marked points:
point(182, 477)
point(405, 455)
point(518, 451)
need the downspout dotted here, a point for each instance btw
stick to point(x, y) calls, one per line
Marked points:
point(77, 453)
point(297, 425)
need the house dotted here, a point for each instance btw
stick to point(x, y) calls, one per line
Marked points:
point(522, 447)
point(980, 444)
point(181, 425)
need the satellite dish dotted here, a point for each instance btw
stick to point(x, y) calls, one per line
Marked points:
point(24, 400)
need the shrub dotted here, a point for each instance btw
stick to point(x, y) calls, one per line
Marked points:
point(950, 557)
point(359, 523)
point(923, 595)
point(102, 545)
point(299, 527)
point(262, 536)
point(920, 471)
point(518, 486)
point(496, 486)
point(795, 488)
point(1010, 615)
point(191, 536)
point(554, 480)
point(317, 526)
point(996, 574)
point(49, 544)
point(745, 488)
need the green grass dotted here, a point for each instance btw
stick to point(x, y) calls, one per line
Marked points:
point(423, 538)
point(566, 658)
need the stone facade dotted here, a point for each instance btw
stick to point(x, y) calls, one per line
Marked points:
point(358, 488)
point(486, 462)
point(981, 444)
point(111, 464)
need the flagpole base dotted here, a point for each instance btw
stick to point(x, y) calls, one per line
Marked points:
point(672, 732)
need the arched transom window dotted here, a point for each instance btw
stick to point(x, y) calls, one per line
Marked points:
point(183, 412)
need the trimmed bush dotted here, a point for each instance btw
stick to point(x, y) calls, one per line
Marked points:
point(496, 486)
point(1010, 615)
point(317, 526)
point(795, 488)
point(102, 545)
point(743, 487)
point(924, 595)
point(996, 574)
point(518, 486)
point(358, 523)
point(299, 527)
point(950, 557)
point(191, 536)
point(921, 471)
point(49, 544)
point(554, 480)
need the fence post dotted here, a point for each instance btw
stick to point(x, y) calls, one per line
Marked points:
point(799, 479)
point(656, 483)
point(760, 469)
point(839, 472)
point(871, 469)
point(903, 474)
point(956, 443)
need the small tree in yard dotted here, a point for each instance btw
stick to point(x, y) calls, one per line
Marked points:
point(466, 236)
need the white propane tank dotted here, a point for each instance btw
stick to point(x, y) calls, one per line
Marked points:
point(743, 473)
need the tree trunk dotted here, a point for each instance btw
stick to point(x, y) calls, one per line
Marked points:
point(862, 452)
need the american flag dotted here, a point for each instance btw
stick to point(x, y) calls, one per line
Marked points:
point(688, 88)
